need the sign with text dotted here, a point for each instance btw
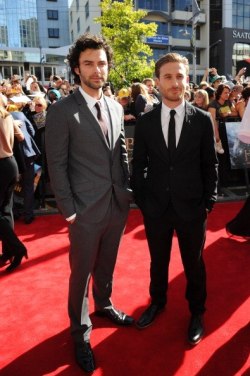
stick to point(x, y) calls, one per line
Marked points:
point(239, 151)
point(158, 39)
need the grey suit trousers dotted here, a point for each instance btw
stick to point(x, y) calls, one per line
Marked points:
point(93, 252)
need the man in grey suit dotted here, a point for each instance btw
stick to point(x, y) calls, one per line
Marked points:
point(88, 168)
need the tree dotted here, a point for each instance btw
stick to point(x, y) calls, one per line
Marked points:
point(122, 27)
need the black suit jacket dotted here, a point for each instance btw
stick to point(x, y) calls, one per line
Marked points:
point(190, 180)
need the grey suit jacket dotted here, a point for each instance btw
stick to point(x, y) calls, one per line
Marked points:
point(84, 171)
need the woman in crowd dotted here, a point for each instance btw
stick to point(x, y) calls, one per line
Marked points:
point(201, 99)
point(13, 249)
point(242, 103)
point(220, 109)
point(141, 100)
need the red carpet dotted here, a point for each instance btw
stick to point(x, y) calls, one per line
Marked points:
point(35, 338)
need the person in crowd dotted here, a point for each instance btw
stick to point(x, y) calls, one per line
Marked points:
point(54, 95)
point(242, 103)
point(216, 81)
point(107, 90)
point(150, 84)
point(220, 109)
point(13, 250)
point(239, 76)
point(188, 95)
point(203, 85)
point(211, 94)
point(35, 89)
point(124, 98)
point(141, 100)
point(88, 168)
point(30, 153)
point(201, 99)
point(174, 178)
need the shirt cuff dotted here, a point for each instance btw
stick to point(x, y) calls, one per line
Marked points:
point(71, 217)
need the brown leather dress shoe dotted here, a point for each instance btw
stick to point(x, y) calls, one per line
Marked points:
point(116, 316)
point(84, 356)
point(149, 315)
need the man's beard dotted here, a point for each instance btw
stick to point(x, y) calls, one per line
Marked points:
point(93, 85)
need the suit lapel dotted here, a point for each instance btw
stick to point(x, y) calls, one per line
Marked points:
point(112, 121)
point(185, 128)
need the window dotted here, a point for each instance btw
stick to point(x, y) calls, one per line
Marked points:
point(87, 10)
point(55, 1)
point(77, 5)
point(241, 11)
point(53, 33)
point(71, 17)
point(52, 14)
point(162, 27)
point(72, 36)
point(78, 24)
point(153, 4)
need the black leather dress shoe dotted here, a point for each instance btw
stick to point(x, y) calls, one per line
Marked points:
point(195, 330)
point(84, 356)
point(149, 315)
point(116, 316)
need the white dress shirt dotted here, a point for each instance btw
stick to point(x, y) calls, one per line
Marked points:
point(179, 118)
point(91, 105)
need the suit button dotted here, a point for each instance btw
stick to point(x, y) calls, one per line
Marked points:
point(171, 168)
point(167, 189)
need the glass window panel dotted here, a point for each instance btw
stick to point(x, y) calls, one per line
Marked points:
point(153, 4)
point(240, 22)
point(181, 31)
point(47, 73)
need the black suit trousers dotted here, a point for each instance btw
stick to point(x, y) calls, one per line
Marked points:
point(191, 238)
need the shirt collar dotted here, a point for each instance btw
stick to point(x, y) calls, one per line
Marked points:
point(179, 109)
point(90, 100)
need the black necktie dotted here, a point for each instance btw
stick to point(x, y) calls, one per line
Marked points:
point(171, 134)
point(101, 120)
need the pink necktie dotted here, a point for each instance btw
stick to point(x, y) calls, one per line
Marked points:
point(101, 120)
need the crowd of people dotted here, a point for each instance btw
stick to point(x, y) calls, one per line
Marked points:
point(89, 172)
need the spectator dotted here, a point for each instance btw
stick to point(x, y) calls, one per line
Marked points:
point(220, 109)
point(30, 153)
point(141, 100)
point(13, 249)
point(201, 99)
point(150, 84)
point(242, 103)
point(124, 98)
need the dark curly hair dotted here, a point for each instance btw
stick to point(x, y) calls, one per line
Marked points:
point(84, 42)
point(220, 89)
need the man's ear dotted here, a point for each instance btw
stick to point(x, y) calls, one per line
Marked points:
point(156, 82)
point(76, 69)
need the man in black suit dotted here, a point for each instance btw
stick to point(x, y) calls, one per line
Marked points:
point(175, 185)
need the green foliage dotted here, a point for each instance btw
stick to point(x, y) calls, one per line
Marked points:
point(121, 26)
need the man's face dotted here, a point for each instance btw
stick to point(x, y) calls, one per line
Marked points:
point(92, 70)
point(172, 83)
